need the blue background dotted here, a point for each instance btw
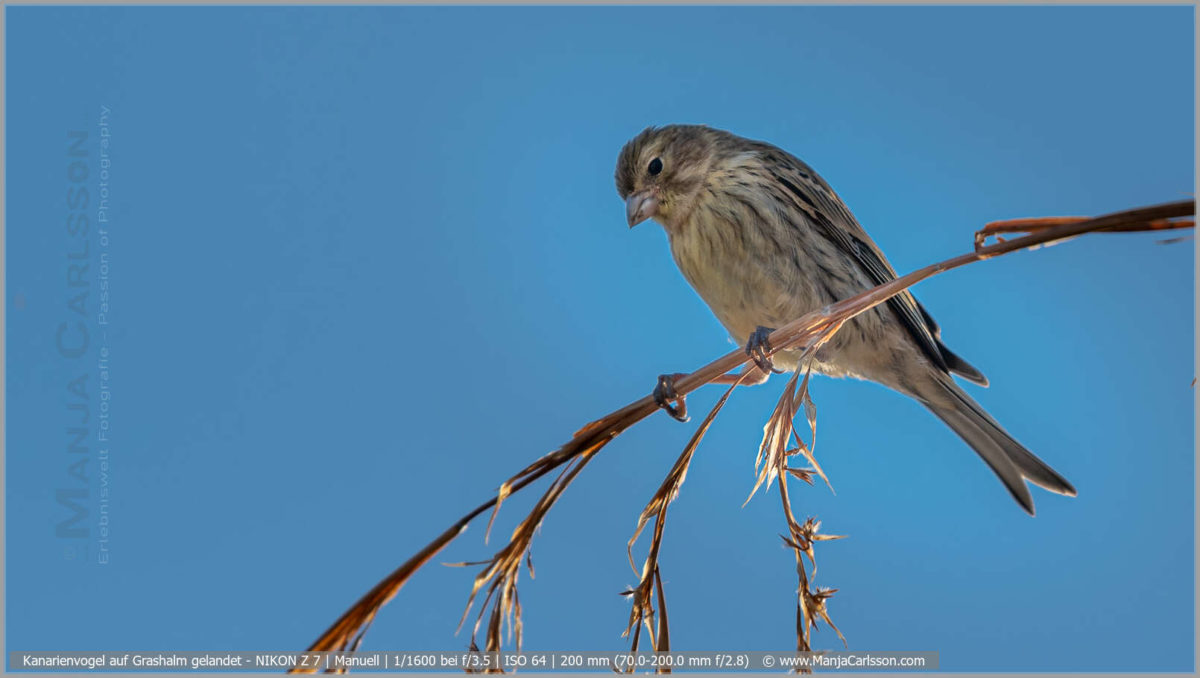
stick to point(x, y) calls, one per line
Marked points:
point(367, 263)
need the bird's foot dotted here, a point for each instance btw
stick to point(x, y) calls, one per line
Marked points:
point(758, 347)
point(664, 393)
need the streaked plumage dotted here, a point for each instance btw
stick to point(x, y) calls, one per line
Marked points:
point(764, 239)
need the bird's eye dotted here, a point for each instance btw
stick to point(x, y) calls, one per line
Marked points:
point(655, 167)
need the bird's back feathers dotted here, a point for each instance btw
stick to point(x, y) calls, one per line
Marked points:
point(834, 222)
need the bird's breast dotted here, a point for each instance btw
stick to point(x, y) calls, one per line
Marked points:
point(750, 271)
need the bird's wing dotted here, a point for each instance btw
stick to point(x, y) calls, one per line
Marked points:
point(835, 222)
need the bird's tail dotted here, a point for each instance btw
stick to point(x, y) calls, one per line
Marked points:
point(1007, 458)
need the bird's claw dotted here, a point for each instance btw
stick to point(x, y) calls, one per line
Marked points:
point(758, 348)
point(664, 393)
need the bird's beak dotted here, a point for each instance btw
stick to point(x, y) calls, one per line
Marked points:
point(641, 206)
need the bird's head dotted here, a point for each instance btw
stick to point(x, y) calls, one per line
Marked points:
point(661, 171)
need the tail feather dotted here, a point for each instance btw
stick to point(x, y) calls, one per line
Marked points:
point(1007, 458)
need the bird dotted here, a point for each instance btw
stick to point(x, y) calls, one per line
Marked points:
point(763, 239)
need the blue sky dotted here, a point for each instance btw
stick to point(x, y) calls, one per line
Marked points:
point(367, 263)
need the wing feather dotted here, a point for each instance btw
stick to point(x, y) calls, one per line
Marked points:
point(835, 222)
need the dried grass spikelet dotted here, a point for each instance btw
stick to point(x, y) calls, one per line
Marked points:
point(650, 586)
point(772, 463)
point(500, 573)
point(1039, 224)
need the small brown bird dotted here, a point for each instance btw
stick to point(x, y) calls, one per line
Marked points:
point(763, 239)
